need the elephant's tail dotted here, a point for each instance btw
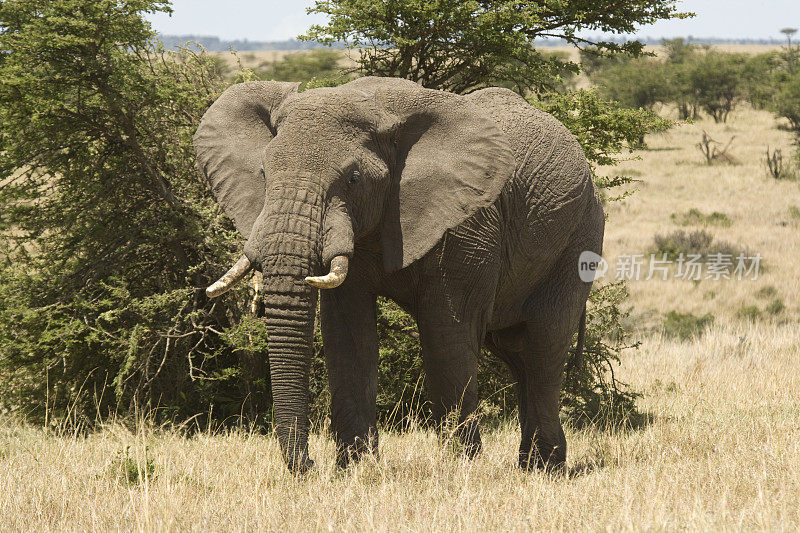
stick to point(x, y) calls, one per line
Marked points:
point(577, 357)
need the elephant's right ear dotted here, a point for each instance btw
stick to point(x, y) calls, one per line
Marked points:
point(229, 142)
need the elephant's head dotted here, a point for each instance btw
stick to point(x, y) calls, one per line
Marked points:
point(306, 176)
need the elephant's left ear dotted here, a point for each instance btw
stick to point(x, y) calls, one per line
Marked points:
point(453, 160)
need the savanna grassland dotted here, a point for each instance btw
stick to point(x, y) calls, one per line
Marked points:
point(720, 449)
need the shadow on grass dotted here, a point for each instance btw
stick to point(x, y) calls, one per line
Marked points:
point(598, 458)
point(584, 468)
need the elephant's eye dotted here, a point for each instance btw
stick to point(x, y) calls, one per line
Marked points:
point(355, 176)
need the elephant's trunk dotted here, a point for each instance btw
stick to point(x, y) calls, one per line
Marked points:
point(289, 316)
point(287, 245)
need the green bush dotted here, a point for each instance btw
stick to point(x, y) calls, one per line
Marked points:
point(678, 50)
point(753, 312)
point(685, 326)
point(765, 73)
point(636, 84)
point(717, 81)
point(775, 307)
point(108, 235)
point(318, 67)
point(679, 55)
point(699, 242)
point(749, 312)
point(130, 470)
point(767, 291)
point(787, 102)
point(695, 78)
point(594, 60)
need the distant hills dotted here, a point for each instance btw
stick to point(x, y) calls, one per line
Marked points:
point(215, 44)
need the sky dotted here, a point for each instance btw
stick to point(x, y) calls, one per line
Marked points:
point(277, 20)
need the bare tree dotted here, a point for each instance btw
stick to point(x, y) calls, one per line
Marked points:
point(712, 152)
point(775, 163)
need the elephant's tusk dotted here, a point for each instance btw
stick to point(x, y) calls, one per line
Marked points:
point(334, 278)
point(234, 275)
point(257, 294)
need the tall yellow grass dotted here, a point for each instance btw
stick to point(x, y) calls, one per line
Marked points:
point(722, 452)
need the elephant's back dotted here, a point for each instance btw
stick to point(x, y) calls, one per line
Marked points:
point(545, 201)
point(546, 153)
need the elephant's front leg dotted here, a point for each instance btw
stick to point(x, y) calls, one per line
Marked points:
point(350, 340)
point(450, 358)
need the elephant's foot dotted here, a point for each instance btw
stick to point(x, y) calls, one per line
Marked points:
point(355, 449)
point(300, 465)
point(539, 454)
point(470, 438)
point(465, 438)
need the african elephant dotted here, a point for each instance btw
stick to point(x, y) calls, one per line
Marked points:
point(468, 211)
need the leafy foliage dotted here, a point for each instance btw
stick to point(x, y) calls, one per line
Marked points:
point(637, 84)
point(695, 217)
point(108, 234)
point(594, 60)
point(716, 80)
point(604, 129)
point(464, 45)
point(787, 102)
point(698, 242)
point(691, 77)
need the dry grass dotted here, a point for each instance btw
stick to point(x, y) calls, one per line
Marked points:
point(722, 451)
point(675, 179)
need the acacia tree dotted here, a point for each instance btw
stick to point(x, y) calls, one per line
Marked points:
point(107, 235)
point(792, 52)
point(638, 84)
point(718, 80)
point(461, 45)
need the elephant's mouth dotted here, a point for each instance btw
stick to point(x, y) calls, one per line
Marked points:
point(334, 278)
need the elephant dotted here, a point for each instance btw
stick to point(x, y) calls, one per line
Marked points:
point(469, 211)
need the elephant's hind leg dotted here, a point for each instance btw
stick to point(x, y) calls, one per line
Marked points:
point(552, 315)
point(536, 369)
point(539, 375)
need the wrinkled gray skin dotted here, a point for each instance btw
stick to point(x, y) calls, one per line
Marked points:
point(468, 211)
